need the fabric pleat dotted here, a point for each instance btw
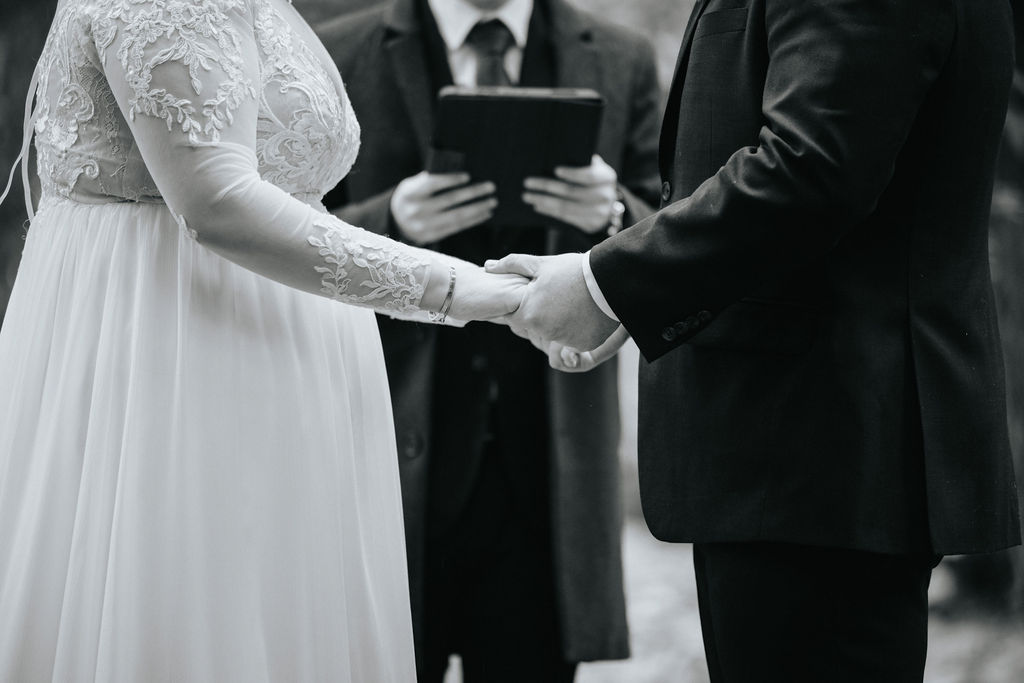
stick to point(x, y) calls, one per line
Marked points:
point(198, 475)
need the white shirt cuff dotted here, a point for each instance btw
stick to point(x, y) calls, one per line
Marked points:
point(595, 290)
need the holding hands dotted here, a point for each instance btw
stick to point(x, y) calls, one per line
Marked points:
point(557, 312)
point(486, 296)
point(542, 298)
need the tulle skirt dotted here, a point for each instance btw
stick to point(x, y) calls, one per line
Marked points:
point(198, 476)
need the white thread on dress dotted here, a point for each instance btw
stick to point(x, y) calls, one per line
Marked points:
point(182, 61)
point(197, 34)
point(367, 269)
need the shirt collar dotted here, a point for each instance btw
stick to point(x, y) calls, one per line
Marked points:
point(456, 18)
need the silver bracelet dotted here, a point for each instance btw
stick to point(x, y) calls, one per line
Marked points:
point(446, 306)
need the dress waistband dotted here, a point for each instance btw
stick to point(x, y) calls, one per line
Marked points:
point(312, 199)
point(48, 201)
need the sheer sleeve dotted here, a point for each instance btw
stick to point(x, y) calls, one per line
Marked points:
point(185, 74)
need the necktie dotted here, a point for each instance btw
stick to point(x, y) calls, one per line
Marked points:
point(491, 40)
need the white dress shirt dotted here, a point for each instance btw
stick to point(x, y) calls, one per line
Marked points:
point(456, 18)
point(595, 289)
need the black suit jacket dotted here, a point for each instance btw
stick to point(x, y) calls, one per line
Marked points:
point(814, 298)
point(382, 55)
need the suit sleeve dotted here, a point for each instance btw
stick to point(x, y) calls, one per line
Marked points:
point(844, 82)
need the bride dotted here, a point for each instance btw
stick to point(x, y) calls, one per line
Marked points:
point(198, 477)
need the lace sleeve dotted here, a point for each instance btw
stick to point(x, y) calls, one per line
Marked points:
point(184, 72)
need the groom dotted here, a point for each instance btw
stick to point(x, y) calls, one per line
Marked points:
point(822, 408)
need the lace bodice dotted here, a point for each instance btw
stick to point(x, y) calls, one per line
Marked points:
point(307, 136)
point(216, 107)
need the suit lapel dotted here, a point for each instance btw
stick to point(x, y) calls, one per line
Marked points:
point(671, 121)
point(406, 47)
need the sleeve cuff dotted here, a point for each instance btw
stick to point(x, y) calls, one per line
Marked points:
point(595, 290)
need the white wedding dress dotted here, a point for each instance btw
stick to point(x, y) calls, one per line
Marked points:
point(198, 478)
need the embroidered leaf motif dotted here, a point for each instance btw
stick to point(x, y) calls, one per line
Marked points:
point(367, 269)
point(197, 35)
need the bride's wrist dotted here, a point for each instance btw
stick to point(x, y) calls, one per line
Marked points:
point(439, 289)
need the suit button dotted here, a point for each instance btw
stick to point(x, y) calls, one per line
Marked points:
point(692, 322)
point(682, 327)
point(704, 317)
point(479, 362)
point(666, 191)
point(669, 334)
point(413, 447)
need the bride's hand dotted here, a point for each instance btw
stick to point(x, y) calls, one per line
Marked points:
point(568, 359)
point(480, 295)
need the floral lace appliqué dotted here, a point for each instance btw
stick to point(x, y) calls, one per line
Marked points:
point(307, 133)
point(66, 106)
point(307, 136)
point(368, 270)
point(196, 34)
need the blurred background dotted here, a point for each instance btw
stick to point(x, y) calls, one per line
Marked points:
point(977, 604)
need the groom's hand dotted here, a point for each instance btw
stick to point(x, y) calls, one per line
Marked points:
point(557, 305)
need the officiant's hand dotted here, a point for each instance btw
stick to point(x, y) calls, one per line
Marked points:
point(428, 207)
point(583, 197)
point(556, 305)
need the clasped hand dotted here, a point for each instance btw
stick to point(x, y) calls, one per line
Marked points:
point(543, 299)
point(557, 313)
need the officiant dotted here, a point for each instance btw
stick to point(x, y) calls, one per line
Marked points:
point(509, 470)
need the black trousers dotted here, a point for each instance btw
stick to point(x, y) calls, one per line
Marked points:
point(490, 595)
point(791, 613)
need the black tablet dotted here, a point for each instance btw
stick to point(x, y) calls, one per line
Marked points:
point(506, 134)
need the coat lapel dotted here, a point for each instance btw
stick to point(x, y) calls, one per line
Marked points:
point(578, 61)
point(671, 121)
point(405, 45)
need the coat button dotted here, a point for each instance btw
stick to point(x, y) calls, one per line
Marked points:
point(682, 327)
point(479, 362)
point(666, 191)
point(413, 447)
point(669, 334)
point(704, 317)
point(691, 322)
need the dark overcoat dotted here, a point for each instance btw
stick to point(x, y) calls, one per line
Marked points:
point(382, 56)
